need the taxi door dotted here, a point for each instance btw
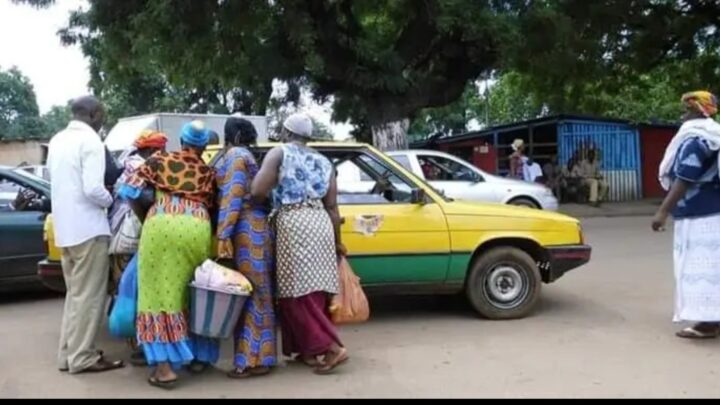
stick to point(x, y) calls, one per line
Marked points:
point(390, 238)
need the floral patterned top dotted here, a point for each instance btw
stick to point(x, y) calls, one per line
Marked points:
point(304, 176)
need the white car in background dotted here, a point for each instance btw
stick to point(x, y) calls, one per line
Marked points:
point(461, 180)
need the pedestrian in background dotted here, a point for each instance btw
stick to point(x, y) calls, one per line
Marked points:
point(689, 171)
point(517, 160)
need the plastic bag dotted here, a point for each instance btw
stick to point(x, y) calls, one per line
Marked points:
point(351, 304)
point(125, 241)
point(124, 311)
point(213, 276)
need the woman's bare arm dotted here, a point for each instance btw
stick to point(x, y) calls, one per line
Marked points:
point(267, 176)
point(331, 206)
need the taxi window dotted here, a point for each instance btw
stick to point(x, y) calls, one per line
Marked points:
point(361, 178)
point(365, 180)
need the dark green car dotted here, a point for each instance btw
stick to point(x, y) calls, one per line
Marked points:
point(24, 204)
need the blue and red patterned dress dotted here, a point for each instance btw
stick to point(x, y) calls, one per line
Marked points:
point(244, 235)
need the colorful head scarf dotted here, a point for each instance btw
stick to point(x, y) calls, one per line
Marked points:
point(195, 134)
point(703, 102)
point(151, 139)
point(181, 173)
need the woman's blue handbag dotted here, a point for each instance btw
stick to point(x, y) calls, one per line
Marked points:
point(124, 310)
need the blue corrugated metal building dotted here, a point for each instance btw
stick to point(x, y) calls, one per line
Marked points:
point(616, 143)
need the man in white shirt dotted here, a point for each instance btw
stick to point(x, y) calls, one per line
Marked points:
point(531, 170)
point(76, 160)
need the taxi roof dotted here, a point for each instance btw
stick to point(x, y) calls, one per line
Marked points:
point(334, 145)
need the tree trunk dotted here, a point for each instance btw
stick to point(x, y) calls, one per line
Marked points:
point(391, 136)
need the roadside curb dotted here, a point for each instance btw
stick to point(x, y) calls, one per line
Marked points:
point(609, 214)
point(645, 208)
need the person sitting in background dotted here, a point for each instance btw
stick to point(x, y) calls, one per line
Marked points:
point(553, 176)
point(430, 172)
point(572, 182)
point(532, 173)
point(592, 178)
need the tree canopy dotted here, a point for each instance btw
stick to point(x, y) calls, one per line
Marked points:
point(383, 62)
point(18, 106)
point(380, 60)
point(20, 117)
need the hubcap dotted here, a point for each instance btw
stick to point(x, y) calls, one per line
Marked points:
point(505, 286)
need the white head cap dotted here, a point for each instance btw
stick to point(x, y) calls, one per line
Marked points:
point(299, 124)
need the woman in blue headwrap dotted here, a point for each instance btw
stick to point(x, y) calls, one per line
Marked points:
point(176, 239)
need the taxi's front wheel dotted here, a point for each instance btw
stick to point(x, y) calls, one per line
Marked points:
point(504, 283)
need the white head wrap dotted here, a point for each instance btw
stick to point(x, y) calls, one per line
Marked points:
point(299, 124)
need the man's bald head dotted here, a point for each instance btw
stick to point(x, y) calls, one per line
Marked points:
point(89, 110)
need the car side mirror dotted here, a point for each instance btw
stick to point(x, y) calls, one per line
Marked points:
point(45, 205)
point(417, 196)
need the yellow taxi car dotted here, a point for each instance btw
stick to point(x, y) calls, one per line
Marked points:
point(404, 237)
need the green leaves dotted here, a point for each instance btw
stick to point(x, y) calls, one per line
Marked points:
point(387, 60)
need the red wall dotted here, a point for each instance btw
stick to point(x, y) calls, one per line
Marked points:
point(484, 155)
point(653, 142)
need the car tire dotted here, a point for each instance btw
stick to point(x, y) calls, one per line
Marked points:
point(504, 283)
point(524, 202)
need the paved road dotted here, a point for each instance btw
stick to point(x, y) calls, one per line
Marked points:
point(603, 331)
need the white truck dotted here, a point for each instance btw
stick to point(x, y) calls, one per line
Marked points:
point(123, 134)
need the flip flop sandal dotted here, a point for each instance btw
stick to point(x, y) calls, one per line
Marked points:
point(329, 368)
point(166, 385)
point(238, 375)
point(692, 333)
point(247, 373)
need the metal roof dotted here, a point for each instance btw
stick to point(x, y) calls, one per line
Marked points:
point(536, 122)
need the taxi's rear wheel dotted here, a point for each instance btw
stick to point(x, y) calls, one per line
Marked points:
point(504, 283)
